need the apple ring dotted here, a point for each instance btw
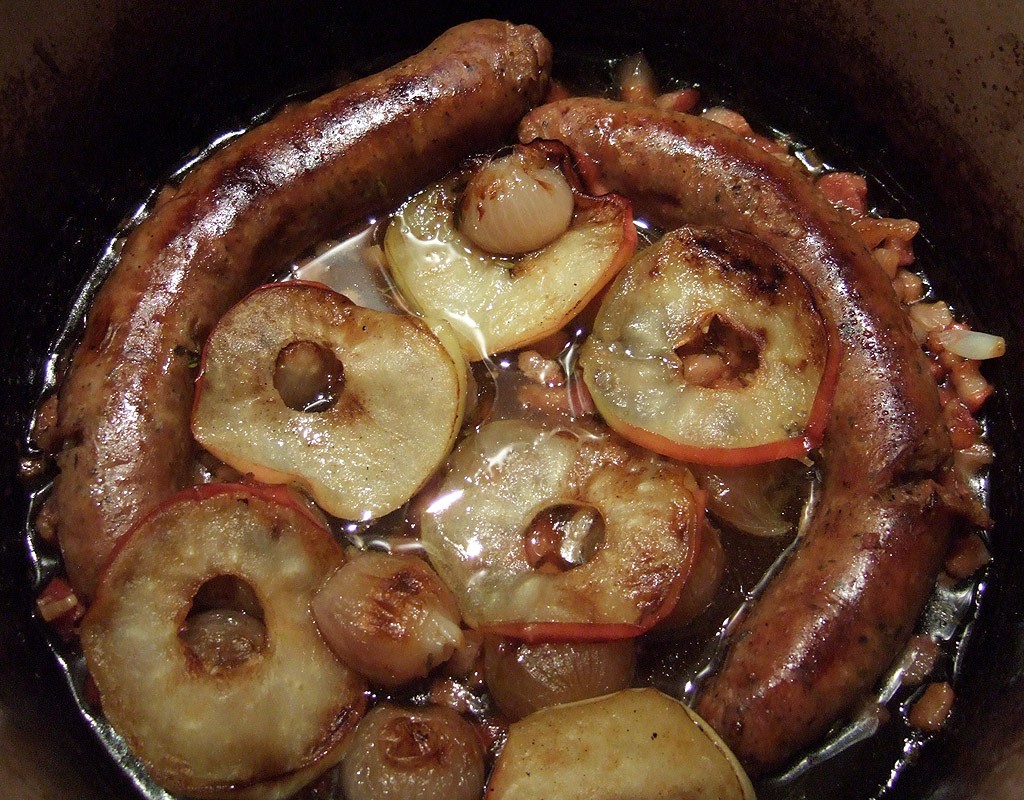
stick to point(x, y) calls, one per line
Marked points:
point(262, 727)
point(621, 530)
point(718, 297)
point(494, 302)
point(396, 398)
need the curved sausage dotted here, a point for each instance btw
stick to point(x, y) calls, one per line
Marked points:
point(831, 621)
point(243, 213)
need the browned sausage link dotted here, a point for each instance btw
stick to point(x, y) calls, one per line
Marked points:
point(244, 212)
point(831, 621)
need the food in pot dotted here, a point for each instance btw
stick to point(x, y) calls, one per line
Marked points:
point(544, 559)
point(236, 218)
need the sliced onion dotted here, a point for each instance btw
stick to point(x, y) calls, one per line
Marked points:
point(761, 500)
point(875, 231)
point(972, 460)
point(974, 345)
point(636, 80)
point(702, 585)
point(888, 259)
point(683, 101)
point(524, 678)
point(928, 317)
point(732, 120)
point(413, 754)
point(970, 384)
point(516, 204)
point(908, 285)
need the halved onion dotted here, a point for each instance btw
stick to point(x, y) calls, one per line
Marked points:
point(760, 499)
point(523, 678)
point(971, 344)
point(516, 203)
point(413, 754)
point(389, 617)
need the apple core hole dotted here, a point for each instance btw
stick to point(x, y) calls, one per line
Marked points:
point(308, 377)
point(224, 627)
point(563, 536)
point(718, 354)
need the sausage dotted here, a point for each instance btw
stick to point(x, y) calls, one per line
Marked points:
point(243, 213)
point(830, 622)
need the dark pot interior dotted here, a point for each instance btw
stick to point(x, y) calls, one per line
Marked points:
point(101, 100)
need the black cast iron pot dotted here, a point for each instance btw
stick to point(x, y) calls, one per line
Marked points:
point(99, 101)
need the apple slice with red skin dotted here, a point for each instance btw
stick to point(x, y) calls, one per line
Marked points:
point(498, 303)
point(395, 397)
point(723, 296)
point(629, 542)
point(261, 726)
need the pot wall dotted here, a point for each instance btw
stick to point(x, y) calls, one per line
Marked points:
point(100, 99)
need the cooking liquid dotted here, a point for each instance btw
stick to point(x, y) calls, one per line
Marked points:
point(865, 754)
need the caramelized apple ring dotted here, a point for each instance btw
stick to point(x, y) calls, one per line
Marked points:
point(260, 728)
point(389, 421)
point(720, 295)
point(640, 518)
point(498, 303)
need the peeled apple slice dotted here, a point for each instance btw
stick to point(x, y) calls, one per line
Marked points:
point(718, 297)
point(396, 397)
point(625, 545)
point(495, 302)
point(260, 728)
point(638, 744)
